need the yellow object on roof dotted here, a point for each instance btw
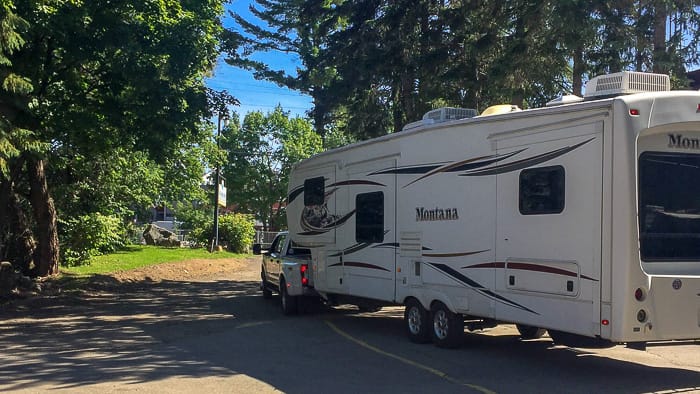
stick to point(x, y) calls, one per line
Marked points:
point(500, 109)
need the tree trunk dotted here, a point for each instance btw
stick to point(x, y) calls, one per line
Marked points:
point(47, 254)
point(5, 212)
point(23, 239)
point(659, 55)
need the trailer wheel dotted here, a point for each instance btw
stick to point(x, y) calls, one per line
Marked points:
point(448, 327)
point(290, 304)
point(530, 332)
point(417, 321)
point(266, 292)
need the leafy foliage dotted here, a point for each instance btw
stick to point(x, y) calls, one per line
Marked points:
point(91, 235)
point(261, 152)
point(237, 232)
point(108, 97)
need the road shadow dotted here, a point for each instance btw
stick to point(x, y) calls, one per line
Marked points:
point(534, 366)
point(102, 334)
point(143, 331)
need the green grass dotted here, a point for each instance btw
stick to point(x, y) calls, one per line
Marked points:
point(137, 256)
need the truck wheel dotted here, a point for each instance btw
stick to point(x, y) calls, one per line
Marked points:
point(448, 327)
point(417, 321)
point(266, 292)
point(530, 332)
point(289, 303)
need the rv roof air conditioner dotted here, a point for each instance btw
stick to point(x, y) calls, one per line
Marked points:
point(449, 113)
point(440, 115)
point(626, 82)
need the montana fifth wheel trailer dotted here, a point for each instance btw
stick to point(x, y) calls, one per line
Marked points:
point(582, 218)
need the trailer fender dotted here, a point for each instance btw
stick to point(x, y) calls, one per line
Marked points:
point(428, 297)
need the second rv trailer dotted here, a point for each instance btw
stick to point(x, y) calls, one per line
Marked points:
point(581, 218)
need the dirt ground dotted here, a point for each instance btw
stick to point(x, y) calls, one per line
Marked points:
point(194, 270)
point(123, 282)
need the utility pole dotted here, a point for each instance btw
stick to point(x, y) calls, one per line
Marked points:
point(223, 117)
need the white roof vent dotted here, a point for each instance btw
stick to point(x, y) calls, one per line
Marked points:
point(449, 113)
point(627, 82)
point(566, 99)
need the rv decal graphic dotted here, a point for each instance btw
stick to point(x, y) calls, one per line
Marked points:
point(525, 163)
point(452, 273)
point(475, 166)
point(316, 220)
point(352, 182)
point(531, 267)
point(466, 165)
point(431, 169)
point(359, 265)
point(454, 254)
point(437, 214)
point(356, 247)
point(297, 191)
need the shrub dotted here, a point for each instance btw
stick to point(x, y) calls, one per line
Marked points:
point(91, 235)
point(237, 231)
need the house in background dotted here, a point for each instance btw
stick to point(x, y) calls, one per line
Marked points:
point(694, 77)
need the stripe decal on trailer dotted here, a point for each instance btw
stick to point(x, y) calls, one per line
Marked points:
point(531, 267)
point(359, 265)
point(451, 272)
point(524, 163)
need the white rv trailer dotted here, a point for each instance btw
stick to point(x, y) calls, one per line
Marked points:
point(581, 218)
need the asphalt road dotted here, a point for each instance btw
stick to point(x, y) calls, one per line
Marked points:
point(221, 336)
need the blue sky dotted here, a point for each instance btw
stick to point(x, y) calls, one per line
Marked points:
point(257, 95)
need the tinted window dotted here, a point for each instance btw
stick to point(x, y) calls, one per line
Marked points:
point(369, 217)
point(279, 243)
point(669, 206)
point(542, 190)
point(314, 190)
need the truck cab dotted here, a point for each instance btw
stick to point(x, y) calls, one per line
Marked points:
point(286, 270)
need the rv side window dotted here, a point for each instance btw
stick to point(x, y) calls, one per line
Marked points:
point(314, 190)
point(369, 217)
point(542, 190)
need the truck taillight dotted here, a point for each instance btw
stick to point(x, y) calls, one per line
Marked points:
point(304, 280)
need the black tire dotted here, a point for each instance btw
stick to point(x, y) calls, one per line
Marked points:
point(417, 322)
point(530, 332)
point(447, 327)
point(264, 287)
point(290, 304)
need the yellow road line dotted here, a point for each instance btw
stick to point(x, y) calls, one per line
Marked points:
point(254, 324)
point(407, 361)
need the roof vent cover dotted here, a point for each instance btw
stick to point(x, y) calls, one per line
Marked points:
point(449, 113)
point(626, 82)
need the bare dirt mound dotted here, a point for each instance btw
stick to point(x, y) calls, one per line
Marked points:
point(124, 282)
point(200, 270)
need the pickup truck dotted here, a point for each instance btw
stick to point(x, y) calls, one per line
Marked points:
point(286, 269)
